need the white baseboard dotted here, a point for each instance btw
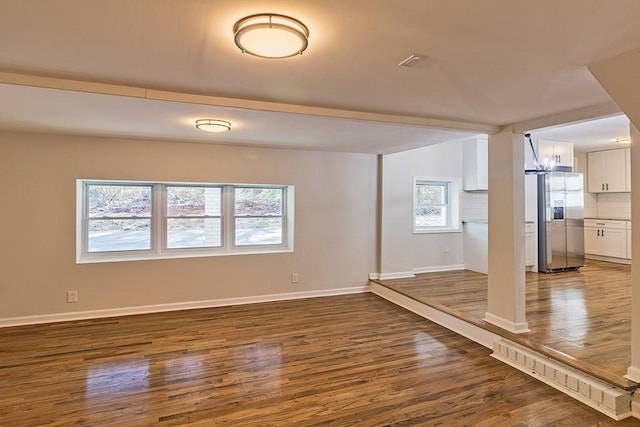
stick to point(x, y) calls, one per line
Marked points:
point(516, 328)
point(437, 268)
point(633, 374)
point(189, 305)
point(608, 259)
point(396, 275)
point(413, 272)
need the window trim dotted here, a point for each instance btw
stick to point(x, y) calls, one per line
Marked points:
point(454, 224)
point(159, 220)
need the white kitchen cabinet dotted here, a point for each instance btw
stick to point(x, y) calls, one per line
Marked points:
point(606, 171)
point(558, 153)
point(628, 239)
point(605, 238)
point(627, 155)
point(475, 161)
point(529, 245)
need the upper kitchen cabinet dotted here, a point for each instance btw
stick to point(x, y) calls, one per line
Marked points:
point(607, 171)
point(556, 153)
point(627, 155)
point(475, 162)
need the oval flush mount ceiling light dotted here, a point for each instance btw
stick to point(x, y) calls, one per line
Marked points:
point(213, 125)
point(269, 35)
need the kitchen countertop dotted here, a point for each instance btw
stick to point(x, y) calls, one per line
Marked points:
point(475, 221)
point(486, 221)
point(607, 219)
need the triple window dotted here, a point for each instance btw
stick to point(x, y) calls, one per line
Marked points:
point(140, 220)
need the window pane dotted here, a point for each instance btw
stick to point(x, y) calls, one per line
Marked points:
point(258, 231)
point(431, 216)
point(193, 201)
point(431, 194)
point(119, 200)
point(193, 232)
point(119, 235)
point(258, 201)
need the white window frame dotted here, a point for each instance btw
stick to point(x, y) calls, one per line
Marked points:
point(159, 218)
point(283, 215)
point(166, 217)
point(454, 224)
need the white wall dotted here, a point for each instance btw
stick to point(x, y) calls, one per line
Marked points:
point(402, 251)
point(335, 223)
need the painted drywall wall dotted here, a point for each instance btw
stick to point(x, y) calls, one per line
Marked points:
point(335, 223)
point(402, 251)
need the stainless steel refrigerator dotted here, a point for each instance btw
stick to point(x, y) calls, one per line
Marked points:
point(560, 221)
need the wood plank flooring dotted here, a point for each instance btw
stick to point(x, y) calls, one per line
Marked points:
point(335, 361)
point(585, 314)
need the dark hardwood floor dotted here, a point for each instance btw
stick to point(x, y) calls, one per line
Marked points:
point(585, 314)
point(338, 361)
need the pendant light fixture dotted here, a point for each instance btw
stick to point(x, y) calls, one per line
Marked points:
point(270, 35)
point(213, 125)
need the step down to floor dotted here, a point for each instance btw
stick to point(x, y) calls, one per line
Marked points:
point(604, 397)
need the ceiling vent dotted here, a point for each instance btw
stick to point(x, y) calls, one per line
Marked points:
point(412, 60)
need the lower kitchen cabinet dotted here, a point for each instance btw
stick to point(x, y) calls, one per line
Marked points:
point(605, 238)
point(529, 244)
point(629, 239)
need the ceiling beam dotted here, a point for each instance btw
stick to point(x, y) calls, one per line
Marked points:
point(584, 114)
point(191, 98)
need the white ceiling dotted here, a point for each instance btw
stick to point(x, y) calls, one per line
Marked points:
point(590, 135)
point(488, 63)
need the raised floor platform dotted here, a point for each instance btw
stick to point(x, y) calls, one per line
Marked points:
point(592, 372)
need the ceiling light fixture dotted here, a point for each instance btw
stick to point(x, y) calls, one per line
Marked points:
point(269, 35)
point(623, 140)
point(213, 125)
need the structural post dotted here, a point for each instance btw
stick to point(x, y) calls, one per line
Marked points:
point(633, 372)
point(618, 75)
point(506, 306)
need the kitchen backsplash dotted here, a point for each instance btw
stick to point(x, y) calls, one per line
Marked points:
point(612, 205)
point(474, 205)
point(590, 205)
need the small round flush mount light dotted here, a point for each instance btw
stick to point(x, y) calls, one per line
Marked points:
point(269, 35)
point(213, 125)
point(623, 140)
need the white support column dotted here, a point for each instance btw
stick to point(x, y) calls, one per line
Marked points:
point(506, 294)
point(618, 75)
point(633, 372)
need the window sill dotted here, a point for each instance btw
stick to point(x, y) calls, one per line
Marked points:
point(438, 231)
point(94, 259)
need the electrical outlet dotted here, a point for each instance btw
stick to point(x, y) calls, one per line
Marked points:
point(72, 296)
point(294, 277)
